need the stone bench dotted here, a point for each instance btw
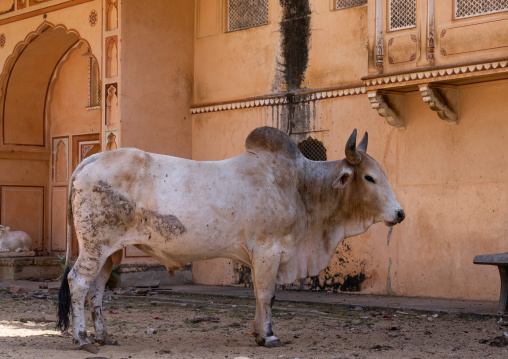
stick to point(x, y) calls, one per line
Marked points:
point(501, 261)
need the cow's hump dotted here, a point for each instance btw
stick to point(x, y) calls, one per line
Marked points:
point(272, 140)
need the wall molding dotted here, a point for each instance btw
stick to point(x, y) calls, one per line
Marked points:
point(280, 99)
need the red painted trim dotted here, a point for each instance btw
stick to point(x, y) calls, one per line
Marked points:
point(43, 11)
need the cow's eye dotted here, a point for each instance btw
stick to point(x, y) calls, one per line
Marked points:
point(370, 179)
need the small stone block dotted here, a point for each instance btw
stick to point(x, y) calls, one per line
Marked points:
point(16, 289)
point(148, 284)
point(91, 348)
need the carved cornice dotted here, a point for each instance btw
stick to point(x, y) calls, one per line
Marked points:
point(437, 73)
point(279, 99)
point(391, 106)
point(442, 100)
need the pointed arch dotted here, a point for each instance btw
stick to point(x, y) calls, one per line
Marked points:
point(46, 49)
point(20, 47)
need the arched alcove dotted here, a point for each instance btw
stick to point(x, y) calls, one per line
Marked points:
point(112, 22)
point(111, 106)
point(111, 142)
point(40, 69)
point(112, 59)
point(68, 107)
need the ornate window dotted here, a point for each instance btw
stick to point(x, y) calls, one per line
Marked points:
point(402, 14)
point(243, 14)
point(467, 8)
point(313, 149)
point(343, 4)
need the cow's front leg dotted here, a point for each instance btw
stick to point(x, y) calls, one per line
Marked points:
point(264, 274)
point(96, 295)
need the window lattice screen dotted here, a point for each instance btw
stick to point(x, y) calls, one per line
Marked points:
point(313, 149)
point(343, 4)
point(466, 8)
point(243, 14)
point(402, 14)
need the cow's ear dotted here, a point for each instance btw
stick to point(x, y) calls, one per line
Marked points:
point(344, 177)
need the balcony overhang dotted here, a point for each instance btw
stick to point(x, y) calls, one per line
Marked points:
point(453, 74)
point(438, 86)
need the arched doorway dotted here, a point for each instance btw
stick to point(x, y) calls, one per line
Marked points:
point(50, 101)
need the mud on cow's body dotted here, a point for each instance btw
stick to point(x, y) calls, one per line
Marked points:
point(269, 208)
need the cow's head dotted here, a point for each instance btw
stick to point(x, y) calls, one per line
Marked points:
point(366, 187)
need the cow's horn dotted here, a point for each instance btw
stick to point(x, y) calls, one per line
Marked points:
point(352, 155)
point(364, 143)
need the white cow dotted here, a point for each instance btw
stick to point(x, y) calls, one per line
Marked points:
point(14, 241)
point(270, 209)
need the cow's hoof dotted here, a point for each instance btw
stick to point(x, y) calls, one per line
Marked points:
point(270, 342)
point(107, 341)
point(89, 347)
point(273, 342)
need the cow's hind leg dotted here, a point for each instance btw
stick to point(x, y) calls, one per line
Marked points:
point(264, 274)
point(83, 273)
point(95, 295)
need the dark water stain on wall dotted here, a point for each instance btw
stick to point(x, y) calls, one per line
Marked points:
point(295, 40)
point(330, 282)
point(296, 118)
point(344, 274)
point(295, 32)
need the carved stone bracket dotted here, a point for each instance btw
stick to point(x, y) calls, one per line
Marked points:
point(390, 105)
point(443, 100)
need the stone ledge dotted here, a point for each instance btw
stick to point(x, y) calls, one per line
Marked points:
point(30, 267)
point(156, 278)
point(142, 267)
point(134, 274)
point(129, 275)
point(29, 261)
point(17, 254)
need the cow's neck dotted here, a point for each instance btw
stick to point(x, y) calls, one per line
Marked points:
point(322, 202)
point(330, 210)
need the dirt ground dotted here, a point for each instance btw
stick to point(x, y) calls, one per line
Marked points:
point(162, 324)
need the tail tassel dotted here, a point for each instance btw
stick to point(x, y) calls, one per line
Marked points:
point(64, 303)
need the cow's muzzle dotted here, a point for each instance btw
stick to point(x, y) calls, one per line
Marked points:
point(399, 217)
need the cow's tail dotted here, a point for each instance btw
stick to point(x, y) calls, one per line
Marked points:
point(64, 302)
point(64, 294)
